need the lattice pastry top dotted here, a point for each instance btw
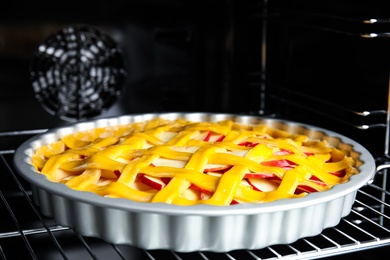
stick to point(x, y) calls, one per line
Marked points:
point(187, 163)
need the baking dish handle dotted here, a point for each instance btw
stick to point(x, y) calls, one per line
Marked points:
point(378, 169)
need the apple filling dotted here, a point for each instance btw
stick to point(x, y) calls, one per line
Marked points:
point(187, 163)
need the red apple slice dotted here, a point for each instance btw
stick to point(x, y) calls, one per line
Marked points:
point(241, 153)
point(308, 188)
point(279, 163)
point(205, 195)
point(207, 137)
point(191, 194)
point(248, 144)
point(195, 187)
point(202, 136)
point(283, 152)
point(236, 201)
point(216, 174)
point(188, 149)
point(165, 136)
point(169, 162)
point(263, 185)
point(139, 185)
point(245, 182)
point(303, 188)
point(213, 137)
point(317, 181)
point(165, 180)
point(260, 175)
point(339, 173)
point(152, 182)
point(216, 168)
point(103, 182)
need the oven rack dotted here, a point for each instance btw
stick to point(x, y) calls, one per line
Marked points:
point(35, 236)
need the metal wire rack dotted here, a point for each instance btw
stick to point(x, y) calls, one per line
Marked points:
point(26, 234)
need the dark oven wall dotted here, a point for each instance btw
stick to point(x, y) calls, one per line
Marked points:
point(319, 63)
point(328, 65)
point(172, 56)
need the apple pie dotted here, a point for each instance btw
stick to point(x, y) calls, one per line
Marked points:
point(186, 163)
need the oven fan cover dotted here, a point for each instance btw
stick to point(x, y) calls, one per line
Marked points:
point(77, 73)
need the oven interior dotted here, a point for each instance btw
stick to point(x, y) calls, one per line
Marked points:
point(323, 63)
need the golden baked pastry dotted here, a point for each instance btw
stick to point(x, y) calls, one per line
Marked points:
point(186, 163)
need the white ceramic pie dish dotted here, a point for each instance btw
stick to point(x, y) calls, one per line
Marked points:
point(200, 227)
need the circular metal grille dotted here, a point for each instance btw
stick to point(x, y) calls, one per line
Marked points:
point(77, 73)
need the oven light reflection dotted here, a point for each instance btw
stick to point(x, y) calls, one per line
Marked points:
point(370, 21)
